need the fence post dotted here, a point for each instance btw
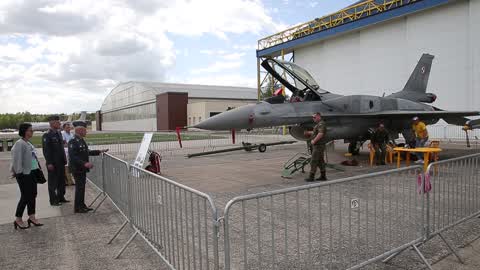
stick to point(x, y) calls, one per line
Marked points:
point(103, 183)
point(216, 237)
point(128, 218)
point(427, 221)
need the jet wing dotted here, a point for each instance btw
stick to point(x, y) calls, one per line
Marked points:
point(451, 117)
point(421, 114)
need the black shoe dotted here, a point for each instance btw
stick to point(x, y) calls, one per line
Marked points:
point(88, 208)
point(310, 178)
point(323, 177)
point(383, 163)
point(16, 226)
point(34, 224)
point(64, 201)
point(81, 211)
point(55, 204)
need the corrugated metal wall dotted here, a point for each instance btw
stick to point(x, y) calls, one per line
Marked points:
point(380, 58)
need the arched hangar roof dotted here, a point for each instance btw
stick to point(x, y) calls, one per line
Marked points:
point(136, 93)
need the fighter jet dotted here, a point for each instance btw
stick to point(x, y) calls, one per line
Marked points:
point(44, 126)
point(350, 118)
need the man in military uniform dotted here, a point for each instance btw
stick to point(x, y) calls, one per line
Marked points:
point(52, 144)
point(79, 165)
point(379, 140)
point(318, 148)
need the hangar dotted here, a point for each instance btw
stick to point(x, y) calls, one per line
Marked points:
point(372, 46)
point(154, 106)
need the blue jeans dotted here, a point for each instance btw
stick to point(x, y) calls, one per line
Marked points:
point(420, 143)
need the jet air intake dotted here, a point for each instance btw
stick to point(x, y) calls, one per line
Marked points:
point(298, 132)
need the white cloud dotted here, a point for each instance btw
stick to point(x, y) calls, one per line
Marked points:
point(219, 66)
point(234, 56)
point(245, 47)
point(65, 55)
point(216, 17)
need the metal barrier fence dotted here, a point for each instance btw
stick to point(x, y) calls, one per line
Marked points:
point(342, 224)
point(455, 196)
point(96, 177)
point(451, 132)
point(178, 222)
point(126, 148)
point(116, 182)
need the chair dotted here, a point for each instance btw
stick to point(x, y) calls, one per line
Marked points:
point(371, 154)
point(388, 157)
point(391, 153)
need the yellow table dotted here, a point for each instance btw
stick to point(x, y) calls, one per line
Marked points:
point(425, 150)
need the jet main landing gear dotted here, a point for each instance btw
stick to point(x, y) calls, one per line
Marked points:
point(354, 148)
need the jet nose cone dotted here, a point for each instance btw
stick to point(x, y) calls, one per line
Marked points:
point(238, 118)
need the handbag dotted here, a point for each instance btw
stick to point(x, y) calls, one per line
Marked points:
point(37, 174)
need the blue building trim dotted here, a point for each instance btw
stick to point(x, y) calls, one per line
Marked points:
point(374, 19)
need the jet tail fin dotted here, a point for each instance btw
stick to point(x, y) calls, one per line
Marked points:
point(419, 78)
point(416, 87)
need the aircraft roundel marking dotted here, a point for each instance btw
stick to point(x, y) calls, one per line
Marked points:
point(423, 70)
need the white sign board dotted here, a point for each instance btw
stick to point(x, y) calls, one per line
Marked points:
point(142, 152)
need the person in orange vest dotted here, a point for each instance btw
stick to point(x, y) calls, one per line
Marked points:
point(421, 136)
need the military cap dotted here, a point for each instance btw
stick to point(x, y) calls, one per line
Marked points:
point(54, 118)
point(80, 124)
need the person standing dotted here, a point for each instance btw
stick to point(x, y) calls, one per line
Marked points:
point(421, 136)
point(67, 135)
point(318, 148)
point(54, 153)
point(79, 165)
point(379, 141)
point(24, 161)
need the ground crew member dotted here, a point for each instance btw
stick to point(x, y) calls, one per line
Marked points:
point(52, 144)
point(318, 148)
point(421, 136)
point(79, 165)
point(379, 140)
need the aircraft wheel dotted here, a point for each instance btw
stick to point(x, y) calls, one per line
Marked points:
point(262, 148)
point(354, 149)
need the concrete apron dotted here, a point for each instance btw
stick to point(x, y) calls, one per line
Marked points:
point(9, 196)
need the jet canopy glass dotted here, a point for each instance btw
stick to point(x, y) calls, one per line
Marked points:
point(294, 77)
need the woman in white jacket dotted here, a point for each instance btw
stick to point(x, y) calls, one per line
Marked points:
point(23, 162)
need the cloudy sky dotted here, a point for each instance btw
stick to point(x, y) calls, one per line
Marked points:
point(66, 55)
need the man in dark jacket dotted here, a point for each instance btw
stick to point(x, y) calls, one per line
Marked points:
point(52, 144)
point(379, 140)
point(79, 164)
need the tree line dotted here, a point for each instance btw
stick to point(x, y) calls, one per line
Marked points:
point(12, 120)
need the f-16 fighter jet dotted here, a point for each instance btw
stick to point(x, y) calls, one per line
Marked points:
point(350, 118)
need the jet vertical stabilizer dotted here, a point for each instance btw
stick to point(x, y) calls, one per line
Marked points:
point(416, 87)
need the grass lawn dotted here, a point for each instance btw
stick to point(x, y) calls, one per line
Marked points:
point(114, 138)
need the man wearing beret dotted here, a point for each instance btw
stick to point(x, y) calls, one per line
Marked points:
point(79, 164)
point(52, 144)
